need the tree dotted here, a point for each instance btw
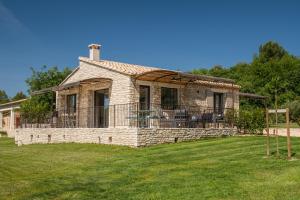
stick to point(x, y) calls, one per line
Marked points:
point(19, 96)
point(34, 111)
point(271, 51)
point(46, 78)
point(38, 107)
point(272, 70)
point(3, 97)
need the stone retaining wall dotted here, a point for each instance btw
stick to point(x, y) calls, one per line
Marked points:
point(117, 136)
point(148, 137)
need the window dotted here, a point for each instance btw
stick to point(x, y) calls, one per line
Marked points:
point(169, 98)
point(218, 103)
point(71, 103)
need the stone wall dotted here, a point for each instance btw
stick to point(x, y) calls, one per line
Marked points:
point(120, 89)
point(148, 137)
point(199, 95)
point(191, 94)
point(117, 136)
point(10, 133)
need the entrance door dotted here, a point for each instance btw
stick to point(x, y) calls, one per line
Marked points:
point(101, 108)
point(144, 111)
point(144, 97)
point(218, 103)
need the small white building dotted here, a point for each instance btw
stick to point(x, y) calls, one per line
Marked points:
point(10, 116)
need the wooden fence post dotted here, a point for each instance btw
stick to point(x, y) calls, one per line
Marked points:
point(268, 133)
point(288, 134)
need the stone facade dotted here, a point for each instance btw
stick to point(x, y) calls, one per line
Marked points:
point(121, 86)
point(134, 137)
point(191, 94)
point(116, 136)
point(148, 137)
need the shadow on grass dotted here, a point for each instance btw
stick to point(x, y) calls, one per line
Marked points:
point(283, 153)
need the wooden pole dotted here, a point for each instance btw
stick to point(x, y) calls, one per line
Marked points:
point(233, 100)
point(288, 134)
point(276, 124)
point(268, 133)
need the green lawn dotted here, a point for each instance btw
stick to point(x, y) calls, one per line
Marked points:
point(223, 168)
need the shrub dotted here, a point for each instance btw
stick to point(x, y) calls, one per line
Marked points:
point(34, 111)
point(294, 109)
point(247, 120)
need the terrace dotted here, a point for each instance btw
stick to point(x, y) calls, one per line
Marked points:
point(132, 116)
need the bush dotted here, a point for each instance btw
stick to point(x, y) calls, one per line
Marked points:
point(34, 111)
point(247, 120)
point(294, 109)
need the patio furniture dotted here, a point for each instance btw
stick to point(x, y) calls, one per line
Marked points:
point(181, 118)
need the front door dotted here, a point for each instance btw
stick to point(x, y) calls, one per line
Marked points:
point(218, 103)
point(144, 107)
point(101, 108)
point(144, 97)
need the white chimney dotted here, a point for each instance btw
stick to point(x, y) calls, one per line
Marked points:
point(94, 52)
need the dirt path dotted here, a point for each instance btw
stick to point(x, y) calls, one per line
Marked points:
point(295, 132)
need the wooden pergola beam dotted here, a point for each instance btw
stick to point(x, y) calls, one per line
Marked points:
point(191, 77)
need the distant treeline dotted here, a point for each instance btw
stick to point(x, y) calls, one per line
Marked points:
point(273, 70)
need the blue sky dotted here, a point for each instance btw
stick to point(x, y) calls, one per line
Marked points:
point(179, 35)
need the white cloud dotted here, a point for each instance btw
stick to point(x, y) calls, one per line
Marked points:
point(9, 22)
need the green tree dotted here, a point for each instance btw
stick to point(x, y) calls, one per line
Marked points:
point(38, 107)
point(3, 97)
point(46, 78)
point(271, 51)
point(272, 70)
point(19, 96)
point(34, 111)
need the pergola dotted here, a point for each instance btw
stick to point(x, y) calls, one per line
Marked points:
point(71, 85)
point(169, 76)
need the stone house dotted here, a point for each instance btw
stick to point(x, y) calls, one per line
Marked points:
point(118, 103)
point(10, 116)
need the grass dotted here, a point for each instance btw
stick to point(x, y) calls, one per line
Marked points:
point(222, 168)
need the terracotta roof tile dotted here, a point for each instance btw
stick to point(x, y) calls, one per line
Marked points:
point(129, 69)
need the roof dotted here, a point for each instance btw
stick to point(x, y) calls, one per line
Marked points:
point(124, 68)
point(11, 103)
point(148, 73)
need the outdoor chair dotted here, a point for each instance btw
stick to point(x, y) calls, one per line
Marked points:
point(195, 120)
point(180, 118)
